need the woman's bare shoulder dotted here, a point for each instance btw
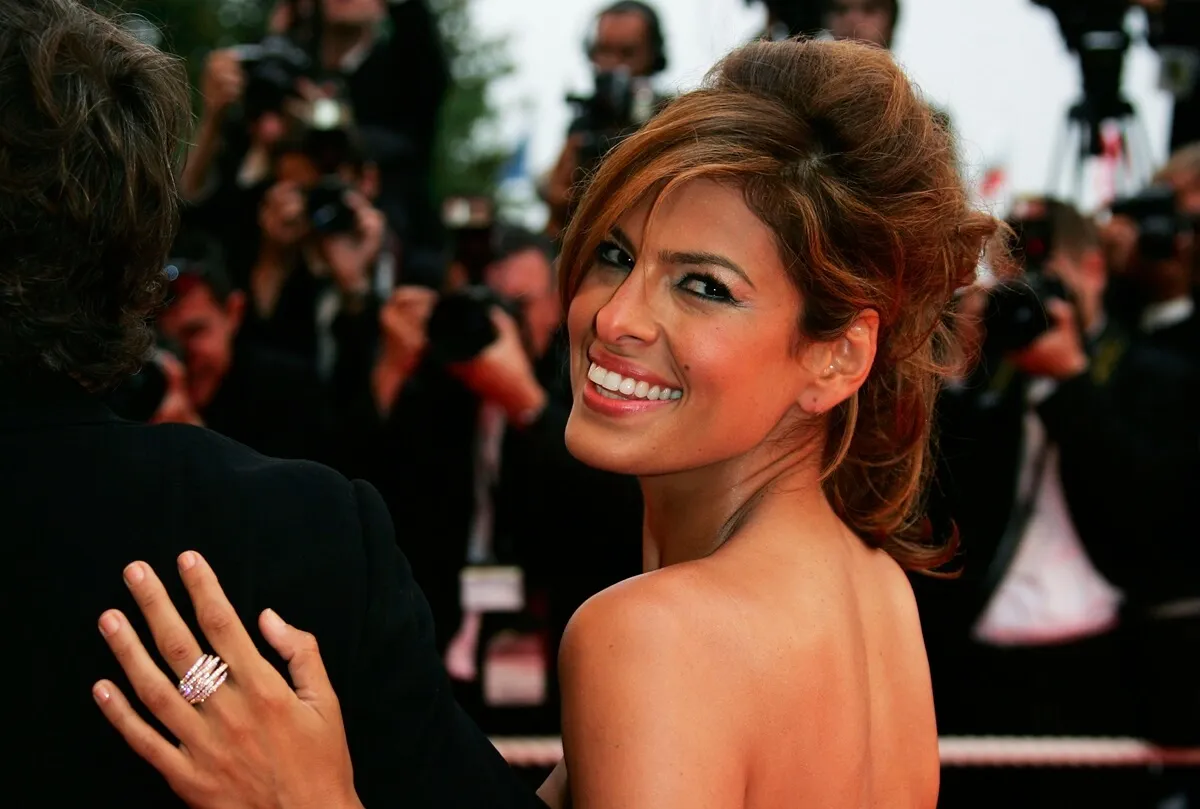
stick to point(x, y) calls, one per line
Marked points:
point(654, 609)
point(649, 699)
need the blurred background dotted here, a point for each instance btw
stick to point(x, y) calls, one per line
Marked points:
point(366, 277)
point(1000, 67)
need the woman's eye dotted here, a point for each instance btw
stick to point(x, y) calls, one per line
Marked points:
point(614, 255)
point(705, 286)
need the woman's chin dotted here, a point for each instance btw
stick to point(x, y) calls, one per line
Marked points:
point(589, 446)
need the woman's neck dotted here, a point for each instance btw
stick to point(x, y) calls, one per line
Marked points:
point(689, 515)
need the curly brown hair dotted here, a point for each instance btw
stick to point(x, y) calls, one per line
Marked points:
point(837, 153)
point(91, 128)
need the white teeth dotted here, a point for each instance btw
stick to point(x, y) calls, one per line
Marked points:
point(612, 383)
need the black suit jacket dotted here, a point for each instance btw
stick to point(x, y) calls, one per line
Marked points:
point(83, 493)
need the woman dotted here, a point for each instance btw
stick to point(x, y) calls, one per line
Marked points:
point(758, 286)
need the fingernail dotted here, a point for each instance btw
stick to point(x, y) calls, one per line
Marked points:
point(134, 574)
point(187, 560)
point(109, 624)
point(273, 620)
point(100, 693)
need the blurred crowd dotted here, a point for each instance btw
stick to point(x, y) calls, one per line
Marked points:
point(325, 306)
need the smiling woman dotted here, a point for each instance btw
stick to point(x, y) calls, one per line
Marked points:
point(759, 284)
point(801, 186)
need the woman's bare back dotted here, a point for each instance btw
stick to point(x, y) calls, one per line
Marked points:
point(845, 713)
point(805, 668)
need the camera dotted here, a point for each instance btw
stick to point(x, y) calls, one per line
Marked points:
point(1016, 310)
point(620, 105)
point(460, 326)
point(323, 131)
point(1159, 222)
point(327, 210)
point(272, 68)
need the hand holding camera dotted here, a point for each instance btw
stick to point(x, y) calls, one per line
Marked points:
point(176, 406)
point(1058, 353)
point(403, 319)
point(503, 373)
point(352, 252)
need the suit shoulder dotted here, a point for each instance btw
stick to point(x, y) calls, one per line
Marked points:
point(231, 473)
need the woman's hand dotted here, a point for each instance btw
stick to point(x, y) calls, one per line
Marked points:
point(255, 742)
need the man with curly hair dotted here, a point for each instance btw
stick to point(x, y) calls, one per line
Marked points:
point(91, 125)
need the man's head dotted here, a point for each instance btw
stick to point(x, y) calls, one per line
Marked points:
point(1073, 254)
point(1182, 172)
point(629, 35)
point(524, 274)
point(867, 20)
point(91, 123)
point(202, 319)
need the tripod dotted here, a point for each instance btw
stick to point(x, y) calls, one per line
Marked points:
point(1083, 139)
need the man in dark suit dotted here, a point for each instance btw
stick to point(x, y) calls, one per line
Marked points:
point(86, 219)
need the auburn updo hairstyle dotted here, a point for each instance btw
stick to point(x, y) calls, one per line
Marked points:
point(836, 152)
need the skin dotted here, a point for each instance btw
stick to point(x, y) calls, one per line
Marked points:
point(205, 329)
point(623, 41)
point(711, 629)
point(779, 664)
point(527, 278)
point(1060, 353)
point(865, 20)
point(286, 230)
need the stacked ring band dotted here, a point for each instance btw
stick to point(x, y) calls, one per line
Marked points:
point(203, 679)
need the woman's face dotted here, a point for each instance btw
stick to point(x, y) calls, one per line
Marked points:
point(682, 337)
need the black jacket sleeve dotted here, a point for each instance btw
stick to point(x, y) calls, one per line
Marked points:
point(1129, 490)
point(411, 742)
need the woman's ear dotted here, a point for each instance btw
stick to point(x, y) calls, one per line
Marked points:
point(838, 368)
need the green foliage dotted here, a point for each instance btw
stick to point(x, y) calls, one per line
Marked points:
point(191, 28)
point(467, 162)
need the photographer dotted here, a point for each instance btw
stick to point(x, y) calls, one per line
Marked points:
point(626, 51)
point(1025, 642)
point(1135, 424)
point(473, 446)
point(325, 257)
point(385, 57)
point(267, 400)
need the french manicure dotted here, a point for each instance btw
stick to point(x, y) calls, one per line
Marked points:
point(273, 620)
point(109, 624)
point(134, 574)
point(187, 560)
